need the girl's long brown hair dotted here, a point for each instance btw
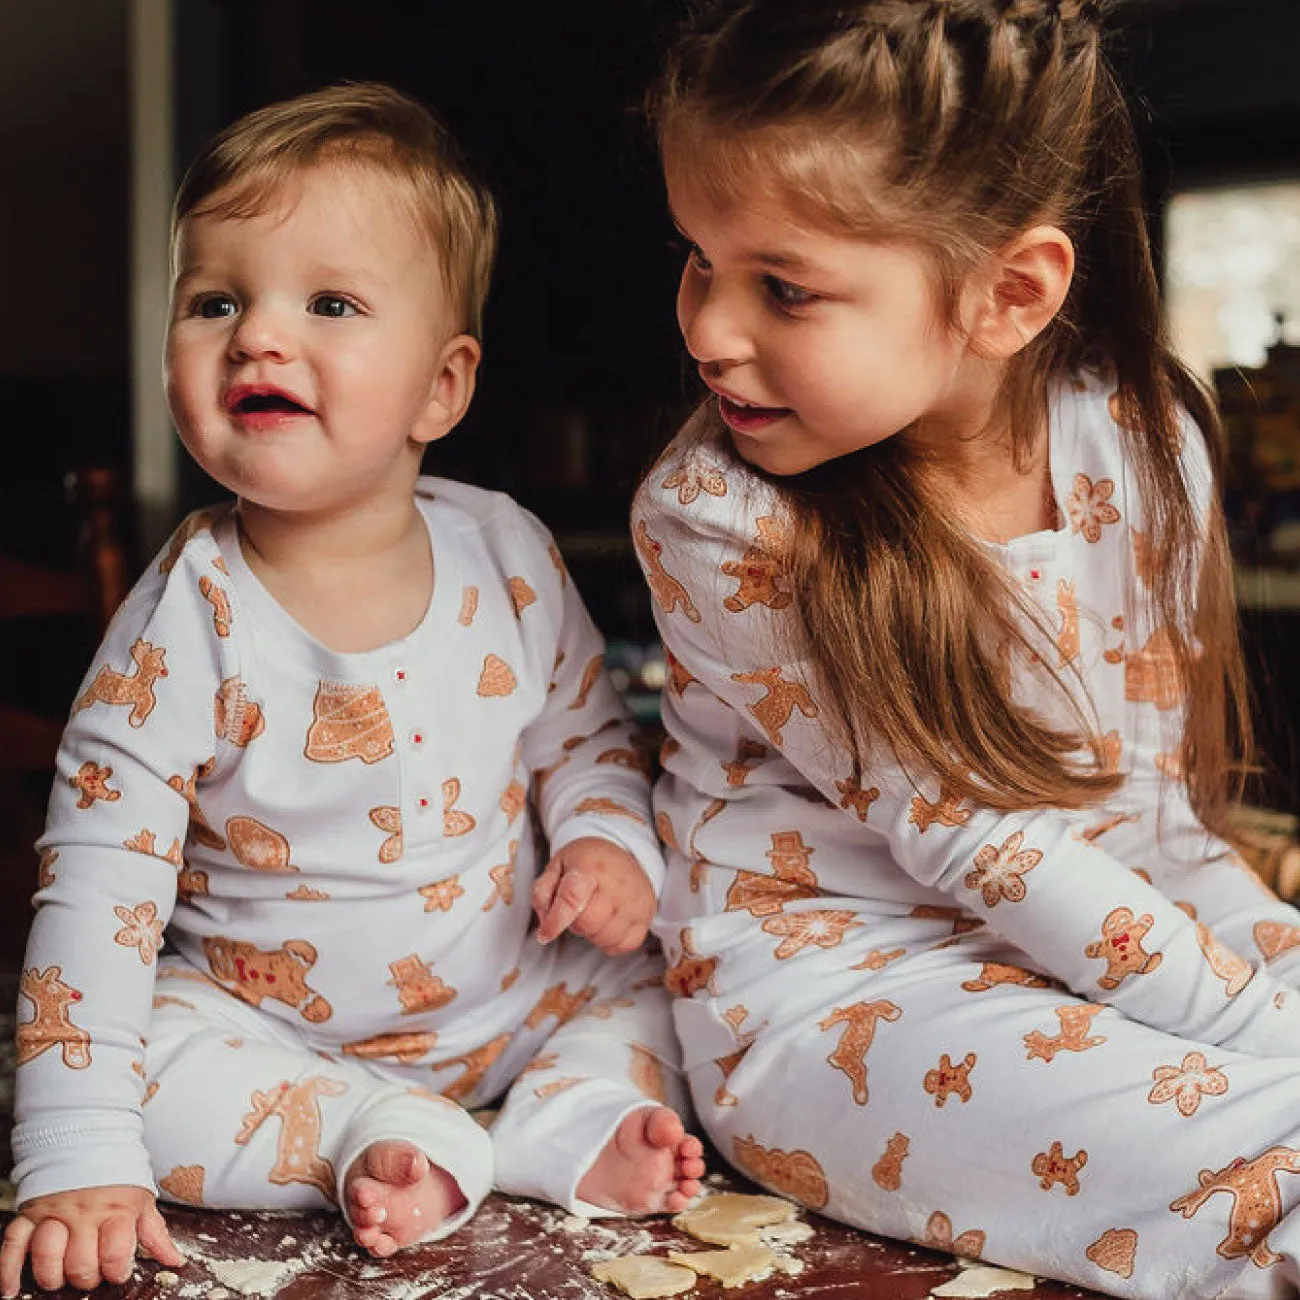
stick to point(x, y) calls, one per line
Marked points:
point(959, 124)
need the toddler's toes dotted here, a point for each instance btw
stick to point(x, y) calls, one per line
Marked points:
point(663, 1128)
point(395, 1162)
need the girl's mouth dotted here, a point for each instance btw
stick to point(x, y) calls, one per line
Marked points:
point(749, 419)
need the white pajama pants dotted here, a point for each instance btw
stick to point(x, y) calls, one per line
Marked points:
point(925, 1085)
point(244, 1111)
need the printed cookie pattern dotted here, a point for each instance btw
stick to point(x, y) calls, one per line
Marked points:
point(254, 975)
point(949, 1080)
point(1187, 1083)
point(796, 1174)
point(1256, 1202)
point(1053, 1167)
point(134, 688)
point(759, 571)
point(348, 722)
point(418, 988)
point(1115, 1251)
point(1120, 947)
point(51, 1023)
point(258, 846)
point(297, 1147)
point(850, 1055)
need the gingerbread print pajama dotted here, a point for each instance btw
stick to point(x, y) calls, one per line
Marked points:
point(342, 849)
point(1067, 1043)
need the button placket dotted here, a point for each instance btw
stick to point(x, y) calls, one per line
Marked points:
point(422, 789)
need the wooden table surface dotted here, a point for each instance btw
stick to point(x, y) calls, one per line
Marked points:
point(511, 1250)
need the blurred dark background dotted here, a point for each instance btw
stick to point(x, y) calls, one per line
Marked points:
point(583, 377)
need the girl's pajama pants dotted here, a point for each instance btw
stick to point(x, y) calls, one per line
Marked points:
point(244, 1110)
point(924, 1084)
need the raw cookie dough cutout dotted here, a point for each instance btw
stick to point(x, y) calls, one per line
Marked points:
point(748, 1261)
point(730, 1218)
point(644, 1277)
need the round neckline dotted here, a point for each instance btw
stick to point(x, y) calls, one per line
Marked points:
point(1043, 539)
point(287, 632)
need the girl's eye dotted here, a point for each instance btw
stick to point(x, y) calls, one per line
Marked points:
point(785, 295)
point(214, 306)
point(694, 257)
point(330, 304)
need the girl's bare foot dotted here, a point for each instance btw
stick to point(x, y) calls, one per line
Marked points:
point(651, 1165)
point(394, 1196)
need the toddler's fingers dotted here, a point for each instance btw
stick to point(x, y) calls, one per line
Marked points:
point(48, 1249)
point(597, 919)
point(12, 1253)
point(571, 897)
point(81, 1256)
point(117, 1247)
point(544, 888)
point(155, 1238)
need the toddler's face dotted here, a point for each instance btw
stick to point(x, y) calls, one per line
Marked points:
point(303, 348)
point(815, 343)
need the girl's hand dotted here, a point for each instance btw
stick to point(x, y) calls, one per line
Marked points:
point(84, 1237)
point(598, 890)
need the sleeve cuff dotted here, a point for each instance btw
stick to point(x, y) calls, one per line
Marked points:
point(83, 1151)
point(641, 842)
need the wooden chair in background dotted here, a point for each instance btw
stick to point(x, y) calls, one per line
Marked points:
point(84, 599)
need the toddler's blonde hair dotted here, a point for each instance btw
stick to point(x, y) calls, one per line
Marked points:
point(243, 169)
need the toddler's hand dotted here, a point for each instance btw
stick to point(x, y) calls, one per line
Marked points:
point(598, 890)
point(84, 1237)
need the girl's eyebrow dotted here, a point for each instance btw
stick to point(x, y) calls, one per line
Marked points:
point(776, 260)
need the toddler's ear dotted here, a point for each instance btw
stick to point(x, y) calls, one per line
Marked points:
point(1025, 287)
point(453, 387)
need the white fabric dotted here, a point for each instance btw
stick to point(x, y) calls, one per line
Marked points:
point(813, 925)
point(354, 836)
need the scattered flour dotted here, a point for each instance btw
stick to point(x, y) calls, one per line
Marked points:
point(166, 1278)
point(255, 1276)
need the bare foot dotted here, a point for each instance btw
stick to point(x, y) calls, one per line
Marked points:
point(650, 1166)
point(394, 1196)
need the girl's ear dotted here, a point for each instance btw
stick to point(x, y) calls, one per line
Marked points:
point(1024, 289)
point(453, 387)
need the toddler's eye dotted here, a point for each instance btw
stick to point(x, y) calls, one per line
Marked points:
point(330, 304)
point(786, 295)
point(214, 306)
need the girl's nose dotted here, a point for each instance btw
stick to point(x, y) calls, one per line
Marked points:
point(261, 332)
point(712, 325)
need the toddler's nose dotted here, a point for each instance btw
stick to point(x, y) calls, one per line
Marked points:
point(260, 333)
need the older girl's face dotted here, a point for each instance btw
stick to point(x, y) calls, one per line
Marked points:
point(815, 344)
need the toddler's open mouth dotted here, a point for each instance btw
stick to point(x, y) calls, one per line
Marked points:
point(263, 403)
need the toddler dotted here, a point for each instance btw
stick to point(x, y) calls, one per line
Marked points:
point(324, 753)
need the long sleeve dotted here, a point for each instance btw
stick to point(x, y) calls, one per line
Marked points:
point(590, 764)
point(140, 733)
point(701, 527)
